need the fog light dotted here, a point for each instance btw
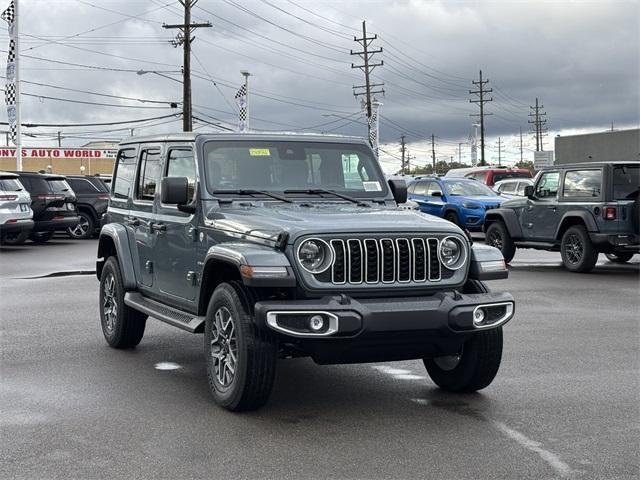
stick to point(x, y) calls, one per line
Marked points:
point(316, 323)
point(478, 316)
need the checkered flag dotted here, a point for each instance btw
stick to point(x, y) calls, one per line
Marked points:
point(372, 122)
point(9, 14)
point(11, 90)
point(241, 100)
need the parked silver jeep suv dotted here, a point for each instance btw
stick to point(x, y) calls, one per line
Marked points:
point(281, 245)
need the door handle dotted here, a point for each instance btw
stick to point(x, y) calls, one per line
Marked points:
point(552, 207)
point(131, 221)
point(158, 227)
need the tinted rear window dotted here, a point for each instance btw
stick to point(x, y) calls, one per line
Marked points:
point(626, 182)
point(502, 176)
point(59, 186)
point(10, 185)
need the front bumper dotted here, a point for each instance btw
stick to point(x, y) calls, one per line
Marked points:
point(383, 329)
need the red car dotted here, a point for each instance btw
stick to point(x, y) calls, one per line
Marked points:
point(489, 176)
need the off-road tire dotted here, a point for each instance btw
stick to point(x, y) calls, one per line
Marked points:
point(619, 257)
point(478, 365)
point(498, 236)
point(90, 224)
point(127, 328)
point(578, 253)
point(14, 238)
point(256, 352)
point(41, 237)
point(452, 217)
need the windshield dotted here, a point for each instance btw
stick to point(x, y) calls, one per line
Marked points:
point(276, 166)
point(469, 188)
point(10, 185)
point(626, 182)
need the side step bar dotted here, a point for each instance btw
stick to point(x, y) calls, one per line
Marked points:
point(164, 313)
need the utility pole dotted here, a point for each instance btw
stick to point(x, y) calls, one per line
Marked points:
point(59, 139)
point(184, 38)
point(500, 144)
point(538, 123)
point(460, 152)
point(433, 152)
point(481, 100)
point(368, 89)
point(521, 160)
point(403, 150)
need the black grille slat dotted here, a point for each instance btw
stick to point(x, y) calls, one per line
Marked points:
point(356, 261)
point(419, 260)
point(339, 264)
point(434, 262)
point(404, 260)
point(388, 260)
point(372, 264)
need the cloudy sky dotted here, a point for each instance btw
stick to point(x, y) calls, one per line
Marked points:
point(580, 58)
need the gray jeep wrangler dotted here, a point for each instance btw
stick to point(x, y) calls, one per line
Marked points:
point(281, 245)
point(579, 209)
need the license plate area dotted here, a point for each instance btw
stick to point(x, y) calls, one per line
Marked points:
point(24, 207)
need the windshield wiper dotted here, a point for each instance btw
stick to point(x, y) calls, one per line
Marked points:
point(319, 191)
point(250, 191)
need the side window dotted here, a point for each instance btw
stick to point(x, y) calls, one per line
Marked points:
point(80, 185)
point(433, 187)
point(521, 187)
point(582, 183)
point(547, 185)
point(420, 188)
point(180, 163)
point(124, 171)
point(148, 175)
point(509, 188)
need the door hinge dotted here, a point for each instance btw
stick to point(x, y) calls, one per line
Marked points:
point(192, 277)
point(148, 266)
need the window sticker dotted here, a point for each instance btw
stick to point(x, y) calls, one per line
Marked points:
point(259, 152)
point(372, 186)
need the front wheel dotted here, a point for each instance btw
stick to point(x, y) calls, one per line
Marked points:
point(41, 237)
point(241, 359)
point(619, 257)
point(578, 253)
point(122, 326)
point(452, 217)
point(498, 236)
point(471, 369)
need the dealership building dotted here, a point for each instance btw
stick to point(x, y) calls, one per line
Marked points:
point(612, 145)
point(90, 159)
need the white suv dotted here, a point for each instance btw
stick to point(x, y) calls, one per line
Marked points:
point(16, 216)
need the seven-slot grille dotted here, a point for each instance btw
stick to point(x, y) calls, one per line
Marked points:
point(385, 260)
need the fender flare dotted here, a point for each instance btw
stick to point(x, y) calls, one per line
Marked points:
point(113, 236)
point(586, 217)
point(506, 216)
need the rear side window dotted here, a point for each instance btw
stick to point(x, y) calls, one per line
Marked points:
point(582, 183)
point(80, 185)
point(420, 188)
point(125, 170)
point(508, 188)
point(149, 175)
point(626, 182)
point(10, 185)
point(180, 163)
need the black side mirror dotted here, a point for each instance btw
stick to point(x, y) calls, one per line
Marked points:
point(528, 191)
point(436, 194)
point(398, 190)
point(175, 191)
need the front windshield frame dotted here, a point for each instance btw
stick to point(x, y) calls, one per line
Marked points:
point(481, 190)
point(363, 153)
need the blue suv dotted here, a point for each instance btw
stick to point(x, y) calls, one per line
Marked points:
point(459, 200)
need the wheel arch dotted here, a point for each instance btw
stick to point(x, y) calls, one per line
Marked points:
point(113, 241)
point(506, 216)
point(86, 208)
point(570, 219)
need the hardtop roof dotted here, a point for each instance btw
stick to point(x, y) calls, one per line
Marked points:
point(253, 136)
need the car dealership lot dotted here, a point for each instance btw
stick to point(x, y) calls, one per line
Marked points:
point(564, 404)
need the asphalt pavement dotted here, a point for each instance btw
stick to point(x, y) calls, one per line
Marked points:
point(565, 404)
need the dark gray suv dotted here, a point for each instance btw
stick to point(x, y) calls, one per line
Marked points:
point(281, 245)
point(580, 210)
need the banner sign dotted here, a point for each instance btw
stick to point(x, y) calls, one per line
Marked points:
point(542, 159)
point(58, 153)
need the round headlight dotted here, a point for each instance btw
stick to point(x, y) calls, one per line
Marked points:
point(452, 253)
point(315, 255)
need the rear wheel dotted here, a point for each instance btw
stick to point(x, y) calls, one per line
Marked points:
point(452, 217)
point(619, 257)
point(15, 238)
point(84, 229)
point(578, 253)
point(41, 237)
point(473, 368)
point(498, 236)
point(122, 326)
point(241, 359)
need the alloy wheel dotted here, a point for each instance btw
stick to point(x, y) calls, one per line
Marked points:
point(574, 250)
point(224, 346)
point(80, 229)
point(495, 240)
point(109, 304)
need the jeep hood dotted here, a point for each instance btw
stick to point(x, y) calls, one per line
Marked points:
point(268, 220)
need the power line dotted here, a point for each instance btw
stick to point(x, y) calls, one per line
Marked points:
point(58, 125)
